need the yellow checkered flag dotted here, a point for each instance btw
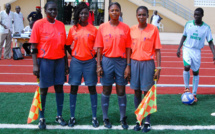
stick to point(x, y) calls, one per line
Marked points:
point(35, 107)
point(148, 105)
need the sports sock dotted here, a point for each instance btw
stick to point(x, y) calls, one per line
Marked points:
point(59, 101)
point(148, 118)
point(195, 83)
point(136, 101)
point(43, 102)
point(122, 100)
point(186, 75)
point(105, 104)
point(93, 98)
point(72, 104)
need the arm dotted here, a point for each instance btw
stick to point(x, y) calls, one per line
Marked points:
point(159, 19)
point(211, 45)
point(99, 57)
point(127, 73)
point(158, 58)
point(1, 21)
point(151, 19)
point(66, 60)
point(29, 16)
point(36, 71)
point(3, 25)
point(69, 42)
point(68, 49)
point(180, 45)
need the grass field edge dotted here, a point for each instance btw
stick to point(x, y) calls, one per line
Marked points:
point(116, 127)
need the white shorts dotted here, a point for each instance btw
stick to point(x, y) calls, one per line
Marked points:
point(192, 57)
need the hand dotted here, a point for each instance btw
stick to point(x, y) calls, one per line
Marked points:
point(99, 71)
point(5, 27)
point(36, 71)
point(157, 74)
point(66, 70)
point(127, 74)
point(178, 53)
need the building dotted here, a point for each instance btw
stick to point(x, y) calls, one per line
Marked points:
point(175, 13)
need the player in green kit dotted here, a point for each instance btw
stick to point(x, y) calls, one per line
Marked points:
point(194, 35)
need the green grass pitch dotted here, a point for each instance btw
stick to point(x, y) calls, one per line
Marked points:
point(15, 108)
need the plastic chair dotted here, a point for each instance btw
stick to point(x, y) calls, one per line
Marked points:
point(161, 27)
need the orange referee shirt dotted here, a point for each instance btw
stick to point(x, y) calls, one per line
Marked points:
point(144, 42)
point(84, 39)
point(50, 38)
point(113, 39)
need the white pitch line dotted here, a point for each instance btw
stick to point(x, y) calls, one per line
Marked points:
point(98, 84)
point(175, 53)
point(89, 127)
point(203, 76)
point(18, 73)
point(183, 68)
point(162, 67)
point(177, 49)
point(182, 76)
point(181, 56)
point(181, 127)
point(182, 61)
point(155, 61)
point(16, 65)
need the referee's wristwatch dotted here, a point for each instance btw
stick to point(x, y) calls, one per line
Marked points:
point(158, 68)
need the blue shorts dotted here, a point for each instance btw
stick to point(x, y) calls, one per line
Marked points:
point(113, 71)
point(142, 73)
point(52, 72)
point(79, 68)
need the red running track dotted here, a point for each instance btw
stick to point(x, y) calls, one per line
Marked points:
point(172, 70)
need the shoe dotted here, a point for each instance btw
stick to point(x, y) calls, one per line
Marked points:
point(137, 127)
point(7, 58)
point(107, 123)
point(146, 128)
point(42, 123)
point(195, 98)
point(60, 120)
point(186, 90)
point(95, 122)
point(71, 122)
point(124, 123)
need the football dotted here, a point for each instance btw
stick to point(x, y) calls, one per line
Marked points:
point(187, 98)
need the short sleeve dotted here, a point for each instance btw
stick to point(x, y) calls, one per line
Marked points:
point(99, 39)
point(64, 34)
point(69, 39)
point(209, 37)
point(157, 40)
point(35, 34)
point(128, 41)
point(95, 33)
